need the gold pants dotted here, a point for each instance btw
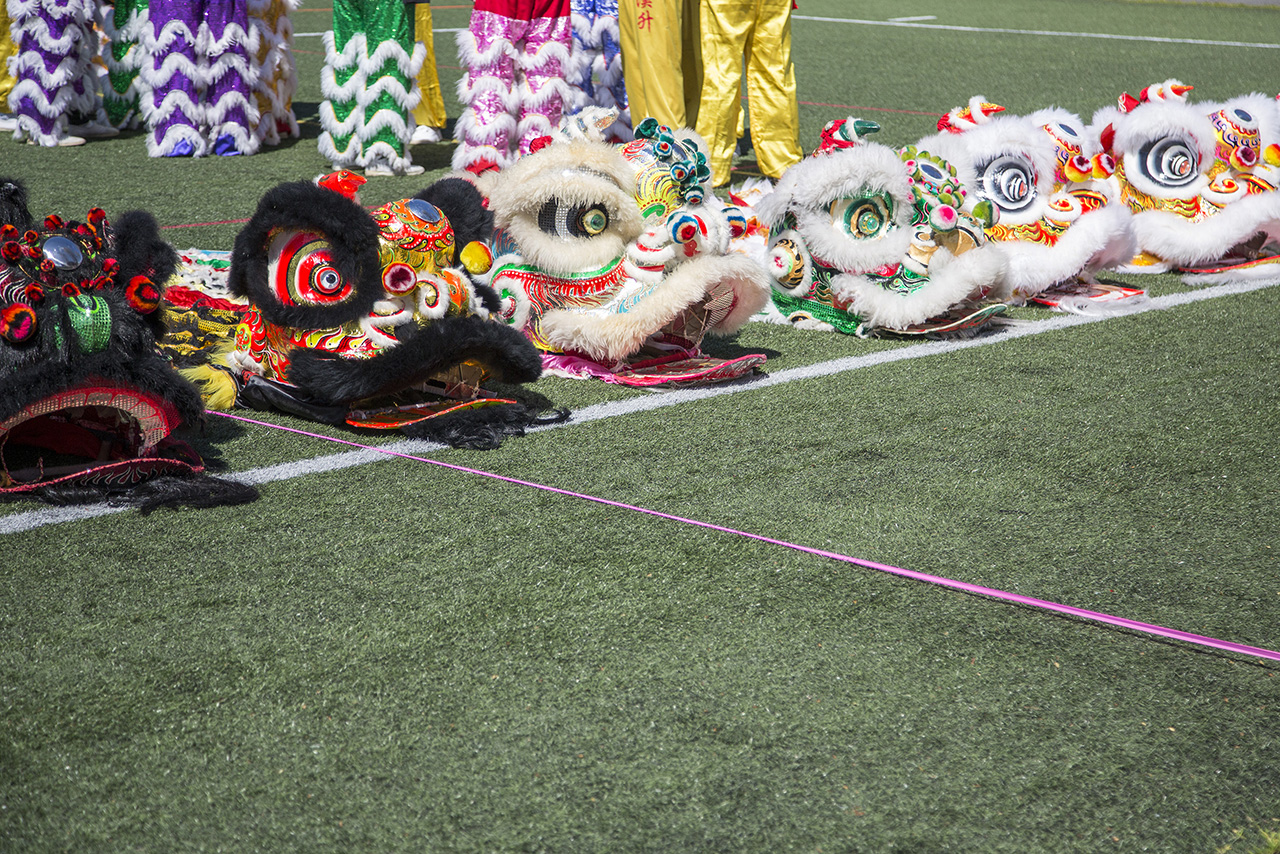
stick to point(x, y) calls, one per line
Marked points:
point(7, 49)
point(660, 61)
point(759, 30)
point(430, 110)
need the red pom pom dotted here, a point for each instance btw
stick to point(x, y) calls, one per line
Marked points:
point(70, 290)
point(539, 143)
point(53, 222)
point(9, 231)
point(30, 238)
point(17, 322)
point(142, 294)
point(33, 294)
point(97, 217)
point(46, 266)
point(11, 252)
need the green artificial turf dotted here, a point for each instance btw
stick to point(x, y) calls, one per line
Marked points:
point(400, 657)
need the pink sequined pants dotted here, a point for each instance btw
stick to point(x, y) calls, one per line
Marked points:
point(516, 52)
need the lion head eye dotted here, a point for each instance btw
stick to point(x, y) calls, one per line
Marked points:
point(1009, 181)
point(304, 272)
point(1170, 162)
point(864, 217)
point(572, 221)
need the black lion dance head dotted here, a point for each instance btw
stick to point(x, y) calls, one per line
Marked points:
point(88, 406)
point(369, 318)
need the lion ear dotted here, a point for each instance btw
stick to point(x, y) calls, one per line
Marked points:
point(146, 263)
point(141, 250)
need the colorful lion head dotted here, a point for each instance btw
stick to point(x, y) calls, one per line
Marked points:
point(865, 238)
point(88, 406)
point(368, 318)
point(614, 260)
point(1200, 180)
point(1059, 219)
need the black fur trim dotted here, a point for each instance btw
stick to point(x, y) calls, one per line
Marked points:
point(422, 352)
point(488, 298)
point(350, 231)
point(484, 428)
point(141, 250)
point(460, 201)
point(198, 491)
point(13, 204)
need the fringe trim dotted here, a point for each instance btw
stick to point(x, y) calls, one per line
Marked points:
point(164, 147)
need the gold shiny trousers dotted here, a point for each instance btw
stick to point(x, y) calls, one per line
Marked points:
point(660, 59)
point(760, 31)
point(430, 110)
point(7, 49)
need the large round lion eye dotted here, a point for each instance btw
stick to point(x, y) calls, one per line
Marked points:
point(1170, 162)
point(303, 272)
point(863, 217)
point(571, 221)
point(1009, 181)
point(592, 221)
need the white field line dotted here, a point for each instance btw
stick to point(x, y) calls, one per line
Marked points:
point(31, 519)
point(917, 22)
point(962, 29)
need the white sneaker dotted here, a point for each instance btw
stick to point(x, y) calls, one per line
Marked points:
point(382, 170)
point(64, 142)
point(423, 134)
point(8, 122)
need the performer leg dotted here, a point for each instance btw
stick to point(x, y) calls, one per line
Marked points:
point(170, 76)
point(771, 90)
point(726, 26)
point(653, 59)
point(277, 72)
point(124, 28)
point(231, 78)
point(488, 89)
point(365, 114)
point(429, 115)
point(543, 91)
point(54, 48)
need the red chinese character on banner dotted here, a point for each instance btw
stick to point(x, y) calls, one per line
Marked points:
point(644, 21)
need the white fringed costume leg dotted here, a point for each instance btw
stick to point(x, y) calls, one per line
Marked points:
point(517, 55)
point(277, 72)
point(371, 62)
point(594, 73)
point(55, 44)
point(198, 78)
point(124, 28)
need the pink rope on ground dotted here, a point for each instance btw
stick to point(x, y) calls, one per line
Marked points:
point(1016, 598)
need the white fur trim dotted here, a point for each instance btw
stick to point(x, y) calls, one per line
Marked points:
point(952, 280)
point(613, 336)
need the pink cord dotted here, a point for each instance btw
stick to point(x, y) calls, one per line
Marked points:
point(965, 587)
